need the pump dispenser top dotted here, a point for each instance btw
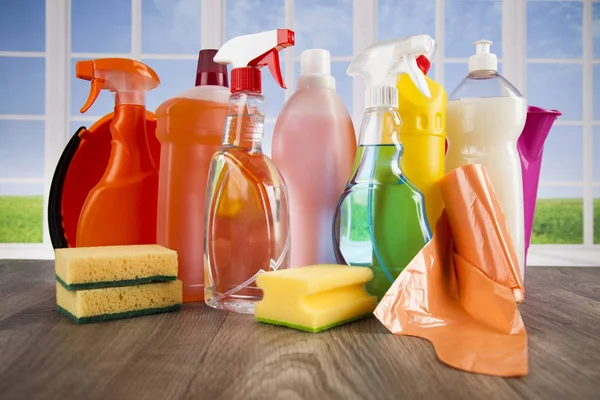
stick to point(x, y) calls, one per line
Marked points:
point(483, 59)
point(380, 65)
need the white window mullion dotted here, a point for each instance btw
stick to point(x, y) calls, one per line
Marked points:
point(212, 24)
point(288, 74)
point(514, 43)
point(440, 35)
point(365, 34)
point(56, 97)
point(136, 29)
point(588, 147)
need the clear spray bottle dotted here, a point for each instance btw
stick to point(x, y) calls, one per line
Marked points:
point(247, 222)
point(380, 220)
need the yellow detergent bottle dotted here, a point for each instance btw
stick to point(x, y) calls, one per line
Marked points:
point(423, 136)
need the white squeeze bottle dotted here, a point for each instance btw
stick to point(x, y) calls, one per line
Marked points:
point(485, 117)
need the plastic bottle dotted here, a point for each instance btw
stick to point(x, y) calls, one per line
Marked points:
point(121, 208)
point(314, 145)
point(486, 115)
point(190, 129)
point(247, 222)
point(423, 136)
point(380, 219)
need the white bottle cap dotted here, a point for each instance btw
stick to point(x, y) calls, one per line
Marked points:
point(315, 69)
point(315, 61)
point(483, 59)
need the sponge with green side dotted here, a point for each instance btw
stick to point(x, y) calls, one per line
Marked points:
point(107, 266)
point(314, 298)
point(93, 305)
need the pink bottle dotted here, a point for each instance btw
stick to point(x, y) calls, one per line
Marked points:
point(314, 147)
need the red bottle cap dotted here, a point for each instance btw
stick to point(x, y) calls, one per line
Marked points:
point(246, 78)
point(209, 72)
point(424, 64)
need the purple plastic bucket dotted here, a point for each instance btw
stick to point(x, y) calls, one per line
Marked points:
point(531, 148)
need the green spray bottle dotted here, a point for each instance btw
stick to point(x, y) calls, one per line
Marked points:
point(380, 220)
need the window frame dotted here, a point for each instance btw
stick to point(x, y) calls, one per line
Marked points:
point(514, 59)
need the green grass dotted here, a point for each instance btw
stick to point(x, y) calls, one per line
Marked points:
point(21, 219)
point(557, 221)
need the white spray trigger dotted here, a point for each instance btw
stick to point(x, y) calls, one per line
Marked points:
point(408, 65)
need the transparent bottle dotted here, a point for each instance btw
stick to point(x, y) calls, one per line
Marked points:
point(485, 117)
point(247, 224)
point(380, 220)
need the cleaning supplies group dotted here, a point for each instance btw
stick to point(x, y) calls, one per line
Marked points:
point(235, 216)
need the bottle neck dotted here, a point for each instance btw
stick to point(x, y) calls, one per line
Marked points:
point(130, 148)
point(245, 121)
point(380, 125)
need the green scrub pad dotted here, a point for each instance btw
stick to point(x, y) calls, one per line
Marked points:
point(91, 305)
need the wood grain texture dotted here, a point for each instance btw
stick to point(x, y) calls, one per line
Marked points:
point(201, 353)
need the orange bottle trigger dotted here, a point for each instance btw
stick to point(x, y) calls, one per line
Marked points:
point(97, 85)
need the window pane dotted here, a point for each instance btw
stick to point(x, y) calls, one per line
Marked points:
point(564, 143)
point(469, 21)
point(324, 24)
point(171, 26)
point(101, 26)
point(175, 76)
point(399, 18)
point(558, 216)
point(23, 25)
point(21, 149)
point(274, 94)
point(343, 82)
point(21, 213)
point(597, 154)
point(268, 137)
point(597, 215)
point(80, 90)
point(596, 87)
point(554, 29)
point(252, 16)
point(22, 85)
point(556, 86)
point(596, 25)
point(454, 73)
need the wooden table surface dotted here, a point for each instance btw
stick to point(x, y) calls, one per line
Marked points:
point(201, 353)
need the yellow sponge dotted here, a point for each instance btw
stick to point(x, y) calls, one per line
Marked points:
point(91, 305)
point(105, 266)
point(314, 298)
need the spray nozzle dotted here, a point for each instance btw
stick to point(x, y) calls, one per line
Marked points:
point(129, 79)
point(381, 64)
point(248, 53)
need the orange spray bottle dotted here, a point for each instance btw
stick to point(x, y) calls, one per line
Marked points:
point(121, 208)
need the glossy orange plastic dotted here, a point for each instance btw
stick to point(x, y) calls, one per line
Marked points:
point(461, 291)
point(121, 208)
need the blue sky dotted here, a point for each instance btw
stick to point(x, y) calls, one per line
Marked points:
point(172, 26)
